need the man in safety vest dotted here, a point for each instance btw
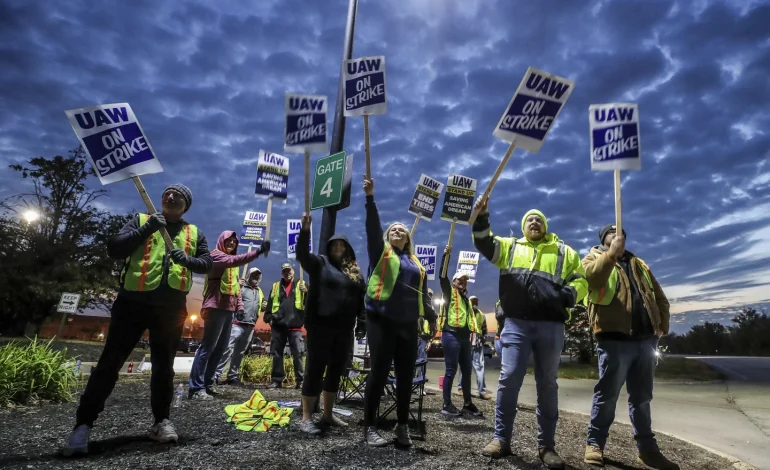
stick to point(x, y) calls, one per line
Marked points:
point(630, 312)
point(153, 296)
point(541, 278)
point(457, 322)
point(286, 315)
point(477, 350)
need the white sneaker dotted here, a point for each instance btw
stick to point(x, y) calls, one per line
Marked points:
point(200, 395)
point(334, 421)
point(163, 432)
point(77, 443)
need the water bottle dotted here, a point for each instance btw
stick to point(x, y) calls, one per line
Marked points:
point(178, 396)
point(78, 363)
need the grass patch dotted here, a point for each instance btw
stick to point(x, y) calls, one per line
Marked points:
point(669, 368)
point(32, 371)
point(86, 351)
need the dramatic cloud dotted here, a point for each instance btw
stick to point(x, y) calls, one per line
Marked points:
point(207, 83)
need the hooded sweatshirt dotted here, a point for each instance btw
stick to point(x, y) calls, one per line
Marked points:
point(252, 306)
point(212, 297)
point(334, 299)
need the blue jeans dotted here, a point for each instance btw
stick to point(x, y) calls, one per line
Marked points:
point(216, 337)
point(478, 366)
point(632, 362)
point(422, 355)
point(499, 348)
point(520, 338)
point(240, 339)
point(279, 336)
point(457, 351)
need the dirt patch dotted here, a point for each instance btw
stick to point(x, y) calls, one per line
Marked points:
point(30, 438)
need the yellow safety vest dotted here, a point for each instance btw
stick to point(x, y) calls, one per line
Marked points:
point(605, 295)
point(228, 283)
point(456, 312)
point(299, 303)
point(385, 273)
point(143, 270)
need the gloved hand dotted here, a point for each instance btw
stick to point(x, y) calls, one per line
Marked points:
point(156, 222)
point(239, 315)
point(265, 248)
point(179, 257)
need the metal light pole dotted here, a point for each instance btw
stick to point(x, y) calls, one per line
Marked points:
point(329, 218)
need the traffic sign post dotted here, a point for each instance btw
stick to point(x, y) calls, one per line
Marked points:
point(67, 304)
point(328, 180)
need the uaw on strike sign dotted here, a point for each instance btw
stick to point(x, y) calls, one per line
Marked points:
point(305, 129)
point(365, 86)
point(614, 136)
point(533, 109)
point(114, 142)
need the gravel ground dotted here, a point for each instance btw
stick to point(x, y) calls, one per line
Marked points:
point(30, 439)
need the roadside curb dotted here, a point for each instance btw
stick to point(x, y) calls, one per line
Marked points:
point(737, 463)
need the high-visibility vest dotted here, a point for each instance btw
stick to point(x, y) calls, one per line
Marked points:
point(385, 273)
point(423, 327)
point(299, 303)
point(458, 313)
point(143, 270)
point(605, 295)
point(228, 283)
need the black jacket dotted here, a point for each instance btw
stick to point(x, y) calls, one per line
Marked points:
point(287, 315)
point(334, 299)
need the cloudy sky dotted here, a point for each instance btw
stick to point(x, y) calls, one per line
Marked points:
point(207, 82)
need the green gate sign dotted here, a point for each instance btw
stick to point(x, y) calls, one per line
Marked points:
point(327, 183)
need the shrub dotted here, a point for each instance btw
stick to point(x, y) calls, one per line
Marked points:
point(32, 371)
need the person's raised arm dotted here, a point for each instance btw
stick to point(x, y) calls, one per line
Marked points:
point(374, 242)
point(310, 263)
point(443, 280)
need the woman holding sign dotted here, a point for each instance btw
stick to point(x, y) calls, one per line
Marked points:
point(335, 301)
point(396, 297)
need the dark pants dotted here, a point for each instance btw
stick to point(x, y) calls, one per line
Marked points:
point(457, 352)
point(390, 342)
point(129, 320)
point(327, 350)
point(216, 337)
point(278, 338)
point(632, 362)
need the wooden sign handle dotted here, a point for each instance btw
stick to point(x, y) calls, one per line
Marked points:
point(449, 244)
point(246, 266)
point(414, 227)
point(269, 218)
point(366, 147)
point(151, 209)
point(307, 182)
point(618, 205)
point(493, 181)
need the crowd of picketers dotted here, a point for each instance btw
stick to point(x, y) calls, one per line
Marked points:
point(541, 279)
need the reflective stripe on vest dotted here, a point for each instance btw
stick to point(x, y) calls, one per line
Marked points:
point(143, 270)
point(457, 312)
point(605, 295)
point(275, 294)
point(228, 283)
point(385, 273)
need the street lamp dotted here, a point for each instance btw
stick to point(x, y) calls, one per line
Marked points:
point(31, 215)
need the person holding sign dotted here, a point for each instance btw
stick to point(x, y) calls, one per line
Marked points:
point(221, 299)
point(630, 313)
point(286, 314)
point(397, 295)
point(335, 301)
point(541, 278)
point(457, 322)
point(153, 295)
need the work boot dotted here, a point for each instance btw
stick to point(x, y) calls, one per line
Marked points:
point(459, 392)
point(496, 449)
point(402, 435)
point(334, 421)
point(234, 383)
point(373, 438)
point(163, 432)
point(213, 391)
point(550, 459)
point(309, 427)
point(470, 409)
point(485, 395)
point(657, 461)
point(450, 410)
point(594, 456)
point(77, 443)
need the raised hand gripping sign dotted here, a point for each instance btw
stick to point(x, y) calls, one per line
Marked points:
point(614, 136)
point(114, 142)
point(305, 130)
point(365, 86)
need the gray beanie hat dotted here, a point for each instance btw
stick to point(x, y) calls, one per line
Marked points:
point(184, 191)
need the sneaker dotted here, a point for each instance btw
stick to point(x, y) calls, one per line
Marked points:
point(274, 385)
point(200, 394)
point(163, 432)
point(309, 427)
point(234, 383)
point(77, 443)
point(459, 392)
point(334, 421)
point(470, 409)
point(594, 456)
point(450, 410)
point(485, 395)
point(373, 438)
point(496, 449)
point(550, 459)
point(657, 461)
point(213, 391)
point(402, 435)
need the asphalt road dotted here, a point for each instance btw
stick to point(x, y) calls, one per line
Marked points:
point(731, 417)
point(740, 369)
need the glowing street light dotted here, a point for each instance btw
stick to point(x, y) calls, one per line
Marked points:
point(193, 318)
point(439, 302)
point(31, 215)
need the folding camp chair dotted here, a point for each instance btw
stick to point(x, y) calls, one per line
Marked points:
point(416, 423)
point(353, 382)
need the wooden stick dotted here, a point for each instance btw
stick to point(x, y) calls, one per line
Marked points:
point(301, 273)
point(366, 147)
point(246, 266)
point(151, 209)
point(618, 205)
point(269, 218)
point(493, 181)
point(307, 182)
point(449, 244)
point(414, 227)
